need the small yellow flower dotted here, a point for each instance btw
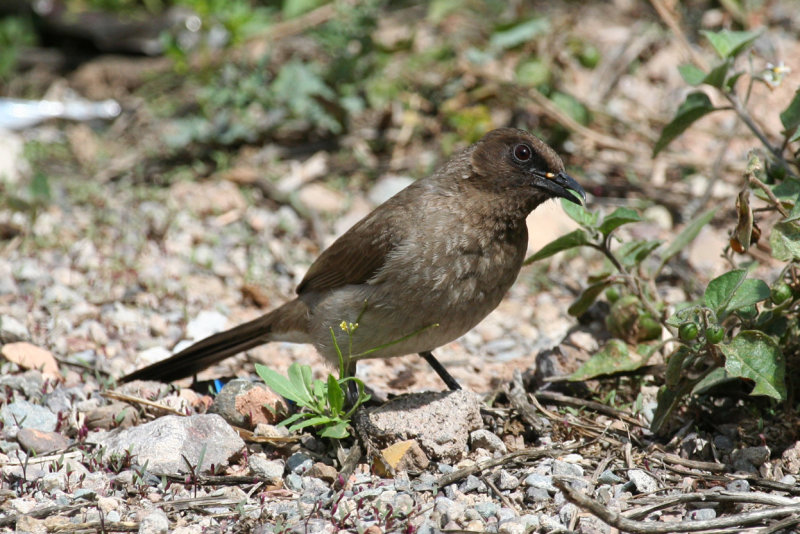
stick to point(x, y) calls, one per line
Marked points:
point(343, 326)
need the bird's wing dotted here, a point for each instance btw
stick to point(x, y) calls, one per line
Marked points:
point(356, 256)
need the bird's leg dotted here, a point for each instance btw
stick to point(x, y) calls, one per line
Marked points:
point(441, 371)
point(351, 397)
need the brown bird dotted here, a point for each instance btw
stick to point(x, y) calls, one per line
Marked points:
point(418, 272)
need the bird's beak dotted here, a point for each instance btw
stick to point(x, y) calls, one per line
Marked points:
point(562, 185)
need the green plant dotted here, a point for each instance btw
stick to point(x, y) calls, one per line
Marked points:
point(323, 400)
point(740, 328)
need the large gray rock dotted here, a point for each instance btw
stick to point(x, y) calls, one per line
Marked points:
point(439, 421)
point(162, 444)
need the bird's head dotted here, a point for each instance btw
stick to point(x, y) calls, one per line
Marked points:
point(514, 161)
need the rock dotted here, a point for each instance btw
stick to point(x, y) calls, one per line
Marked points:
point(440, 422)
point(270, 431)
point(544, 482)
point(114, 415)
point(486, 509)
point(566, 469)
point(28, 415)
point(609, 477)
point(29, 356)
point(484, 439)
point(402, 456)
point(155, 522)
point(39, 442)
point(323, 471)
point(299, 463)
point(386, 187)
point(448, 509)
point(754, 455)
point(791, 459)
point(320, 198)
point(506, 481)
point(206, 323)
point(162, 444)
point(207, 198)
point(28, 383)
point(644, 483)
point(702, 514)
point(12, 330)
point(246, 404)
point(740, 485)
point(271, 470)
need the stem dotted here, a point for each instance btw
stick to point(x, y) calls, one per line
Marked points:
point(748, 120)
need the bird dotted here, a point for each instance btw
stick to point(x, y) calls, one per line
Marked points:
point(416, 273)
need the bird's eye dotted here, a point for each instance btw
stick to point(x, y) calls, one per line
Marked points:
point(522, 152)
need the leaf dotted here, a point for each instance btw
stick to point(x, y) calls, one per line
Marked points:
point(335, 395)
point(300, 377)
point(634, 252)
point(40, 188)
point(687, 235)
point(790, 117)
point(668, 399)
point(756, 356)
point(571, 106)
point(573, 239)
point(337, 431)
point(291, 419)
point(720, 290)
point(311, 421)
point(691, 74)
point(278, 383)
point(729, 43)
point(587, 298)
point(675, 366)
point(785, 241)
point(519, 33)
point(696, 106)
point(714, 378)
point(617, 218)
point(579, 214)
point(614, 358)
point(716, 78)
point(751, 291)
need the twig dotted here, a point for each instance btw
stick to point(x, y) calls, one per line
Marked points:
point(730, 497)
point(97, 526)
point(499, 493)
point(761, 185)
point(527, 454)
point(617, 520)
point(116, 395)
point(694, 464)
point(780, 525)
point(348, 466)
point(560, 398)
point(519, 400)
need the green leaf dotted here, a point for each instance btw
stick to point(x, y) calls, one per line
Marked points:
point(756, 356)
point(579, 213)
point(795, 213)
point(520, 33)
point(785, 241)
point(713, 379)
point(750, 292)
point(720, 290)
point(691, 74)
point(675, 366)
point(633, 253)
point(696, 106)
point(587, 298)
point(300, 377)
point(571, 106)
point(687, 235)
point(668, 399)
point(335, 395)
point(614, 358)
point(291, 419)
point(716, 78)
point(337, 431)
point(729, 43)
point(40, 188)
point(311, 421)
point(573, 239)
point(790, 117)
point(617, 218)
point(278, 383)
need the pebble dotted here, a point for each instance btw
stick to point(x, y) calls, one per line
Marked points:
point(544, 482)
point(155, 522)
point(299, 463)
point(643, 482)
point(28, 415)
point(506, 481)
point(486, 509)
point(270, 470)
point(566, 469)
point(740, 485)
point(12, 330)
point(702, 514)
point(609, 477)
point(484, 439)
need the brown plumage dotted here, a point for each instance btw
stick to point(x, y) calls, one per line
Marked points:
point(419, 271)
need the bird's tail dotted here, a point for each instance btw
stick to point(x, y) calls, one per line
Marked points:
point(286, 322)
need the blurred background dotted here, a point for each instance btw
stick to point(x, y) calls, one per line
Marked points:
point(176, 164)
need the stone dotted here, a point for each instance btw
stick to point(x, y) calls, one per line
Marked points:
point(484, 439)
point(12, 330)
point(270, 470)
point(40, 442)
point(643, 482)
point(439, 421)
point(164, 443)
point(246, 404)
point(28, 415)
